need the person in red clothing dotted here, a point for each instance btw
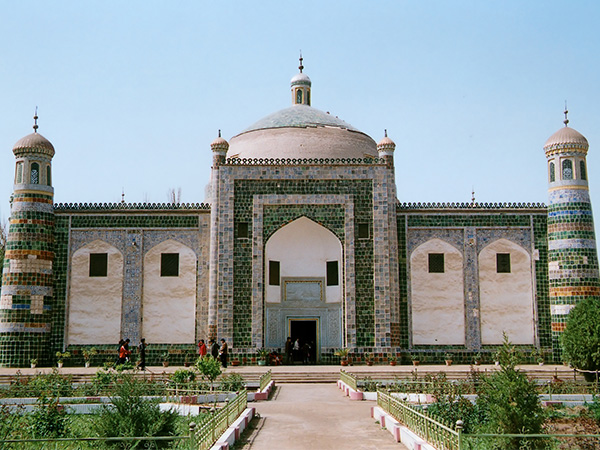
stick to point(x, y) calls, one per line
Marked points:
point(202, 348)
point(124, 352)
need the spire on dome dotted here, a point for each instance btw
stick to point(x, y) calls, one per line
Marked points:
point(566, 121)
point(35, 118)
point(301, 86)
point(301, 59)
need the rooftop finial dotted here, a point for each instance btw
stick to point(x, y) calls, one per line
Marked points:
point(35, 118)
point(122, 195)
point(473, 195)
point(385, 132)
point(566, 121)
point(301, 59)
point(219, 133)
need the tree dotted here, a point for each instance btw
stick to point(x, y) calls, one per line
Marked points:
point(174, 195)
point(510, 403)
point(581, 338)
point(210, 368)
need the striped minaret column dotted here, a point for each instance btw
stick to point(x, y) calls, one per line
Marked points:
point(27, 276)
point(572, 256)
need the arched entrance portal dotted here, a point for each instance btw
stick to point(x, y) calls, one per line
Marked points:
point(304, 286)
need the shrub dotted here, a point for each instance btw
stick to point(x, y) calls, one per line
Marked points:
point(581, 338)
point(49, 419)
point(131, 415)
point(232, 383)
point(183, 376)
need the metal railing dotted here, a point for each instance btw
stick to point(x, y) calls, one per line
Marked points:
point(349, 379)
point(265, 380)
point(438, 434)
point(211, 427)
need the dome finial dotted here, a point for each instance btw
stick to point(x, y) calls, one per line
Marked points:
point(385, 132)
point(35, 118)
point(301, 59)
point(566, 121)
point(219, 133)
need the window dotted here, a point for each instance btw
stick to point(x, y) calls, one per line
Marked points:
point(436, 263)
point(98, 264)
point(48, 176)
point(169, 264)
point(582, 173)
point(242, 230)
point(333, 278)
point(35, 174)
point(19, 178)
point(274, 268)
point(552, 175)
point(363, 231)
point(567, 169)
point(502, 262)
point(299, 96)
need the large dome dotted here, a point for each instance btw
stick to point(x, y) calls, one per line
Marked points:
point(301, 131)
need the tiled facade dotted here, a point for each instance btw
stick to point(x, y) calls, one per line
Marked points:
point(352, 200)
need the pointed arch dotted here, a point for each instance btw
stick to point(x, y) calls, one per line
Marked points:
point(437, 294)
point(169, 294)
point(506, 293)
point(94, 302)
point(303, 249)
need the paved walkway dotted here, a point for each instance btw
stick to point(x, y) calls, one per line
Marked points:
point(317, 417)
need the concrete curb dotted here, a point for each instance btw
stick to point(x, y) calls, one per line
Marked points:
point(264, 394)
point(234, 431)
point(399, 432)
point(349, 392)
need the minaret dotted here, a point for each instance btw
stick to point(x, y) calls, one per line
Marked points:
point(572, 256)
point(219, 148)
point(300, 86)
point(27, 277)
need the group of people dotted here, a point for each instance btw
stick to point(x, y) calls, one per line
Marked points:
point(124, 353)
point(216, 351)
point(297, 351)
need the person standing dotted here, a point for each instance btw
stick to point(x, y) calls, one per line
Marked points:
point(223, 353)
point(289, 358)
point(142, 350)
point(202, 350)
point(214, 349)
point(124, 352)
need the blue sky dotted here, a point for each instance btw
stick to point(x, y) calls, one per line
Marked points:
point(132, 93)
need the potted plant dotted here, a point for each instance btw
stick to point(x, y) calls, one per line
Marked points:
point(165, 358)
point(537, 356)
point(235, 362)
point(262, 355)
point(33, 362)
point(87, 355)
point(393, 360)
point(60, 358)
point(477, 359)
point(343, 354)
point(369, 359)
point(448, 358)
point(415, 359)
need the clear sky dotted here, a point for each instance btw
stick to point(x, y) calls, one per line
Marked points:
point(132, 93)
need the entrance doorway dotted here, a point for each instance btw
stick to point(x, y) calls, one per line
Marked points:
point(305, 330)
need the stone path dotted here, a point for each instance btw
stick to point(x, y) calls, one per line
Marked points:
point(316, 417)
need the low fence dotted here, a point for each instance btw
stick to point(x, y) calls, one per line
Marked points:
point(349, 379)
point(438, 434)
point(264, 381)
point(211, 427)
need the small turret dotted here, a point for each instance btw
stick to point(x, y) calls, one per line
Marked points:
point(300, 85)
point(386, 148)
point(219, 147)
